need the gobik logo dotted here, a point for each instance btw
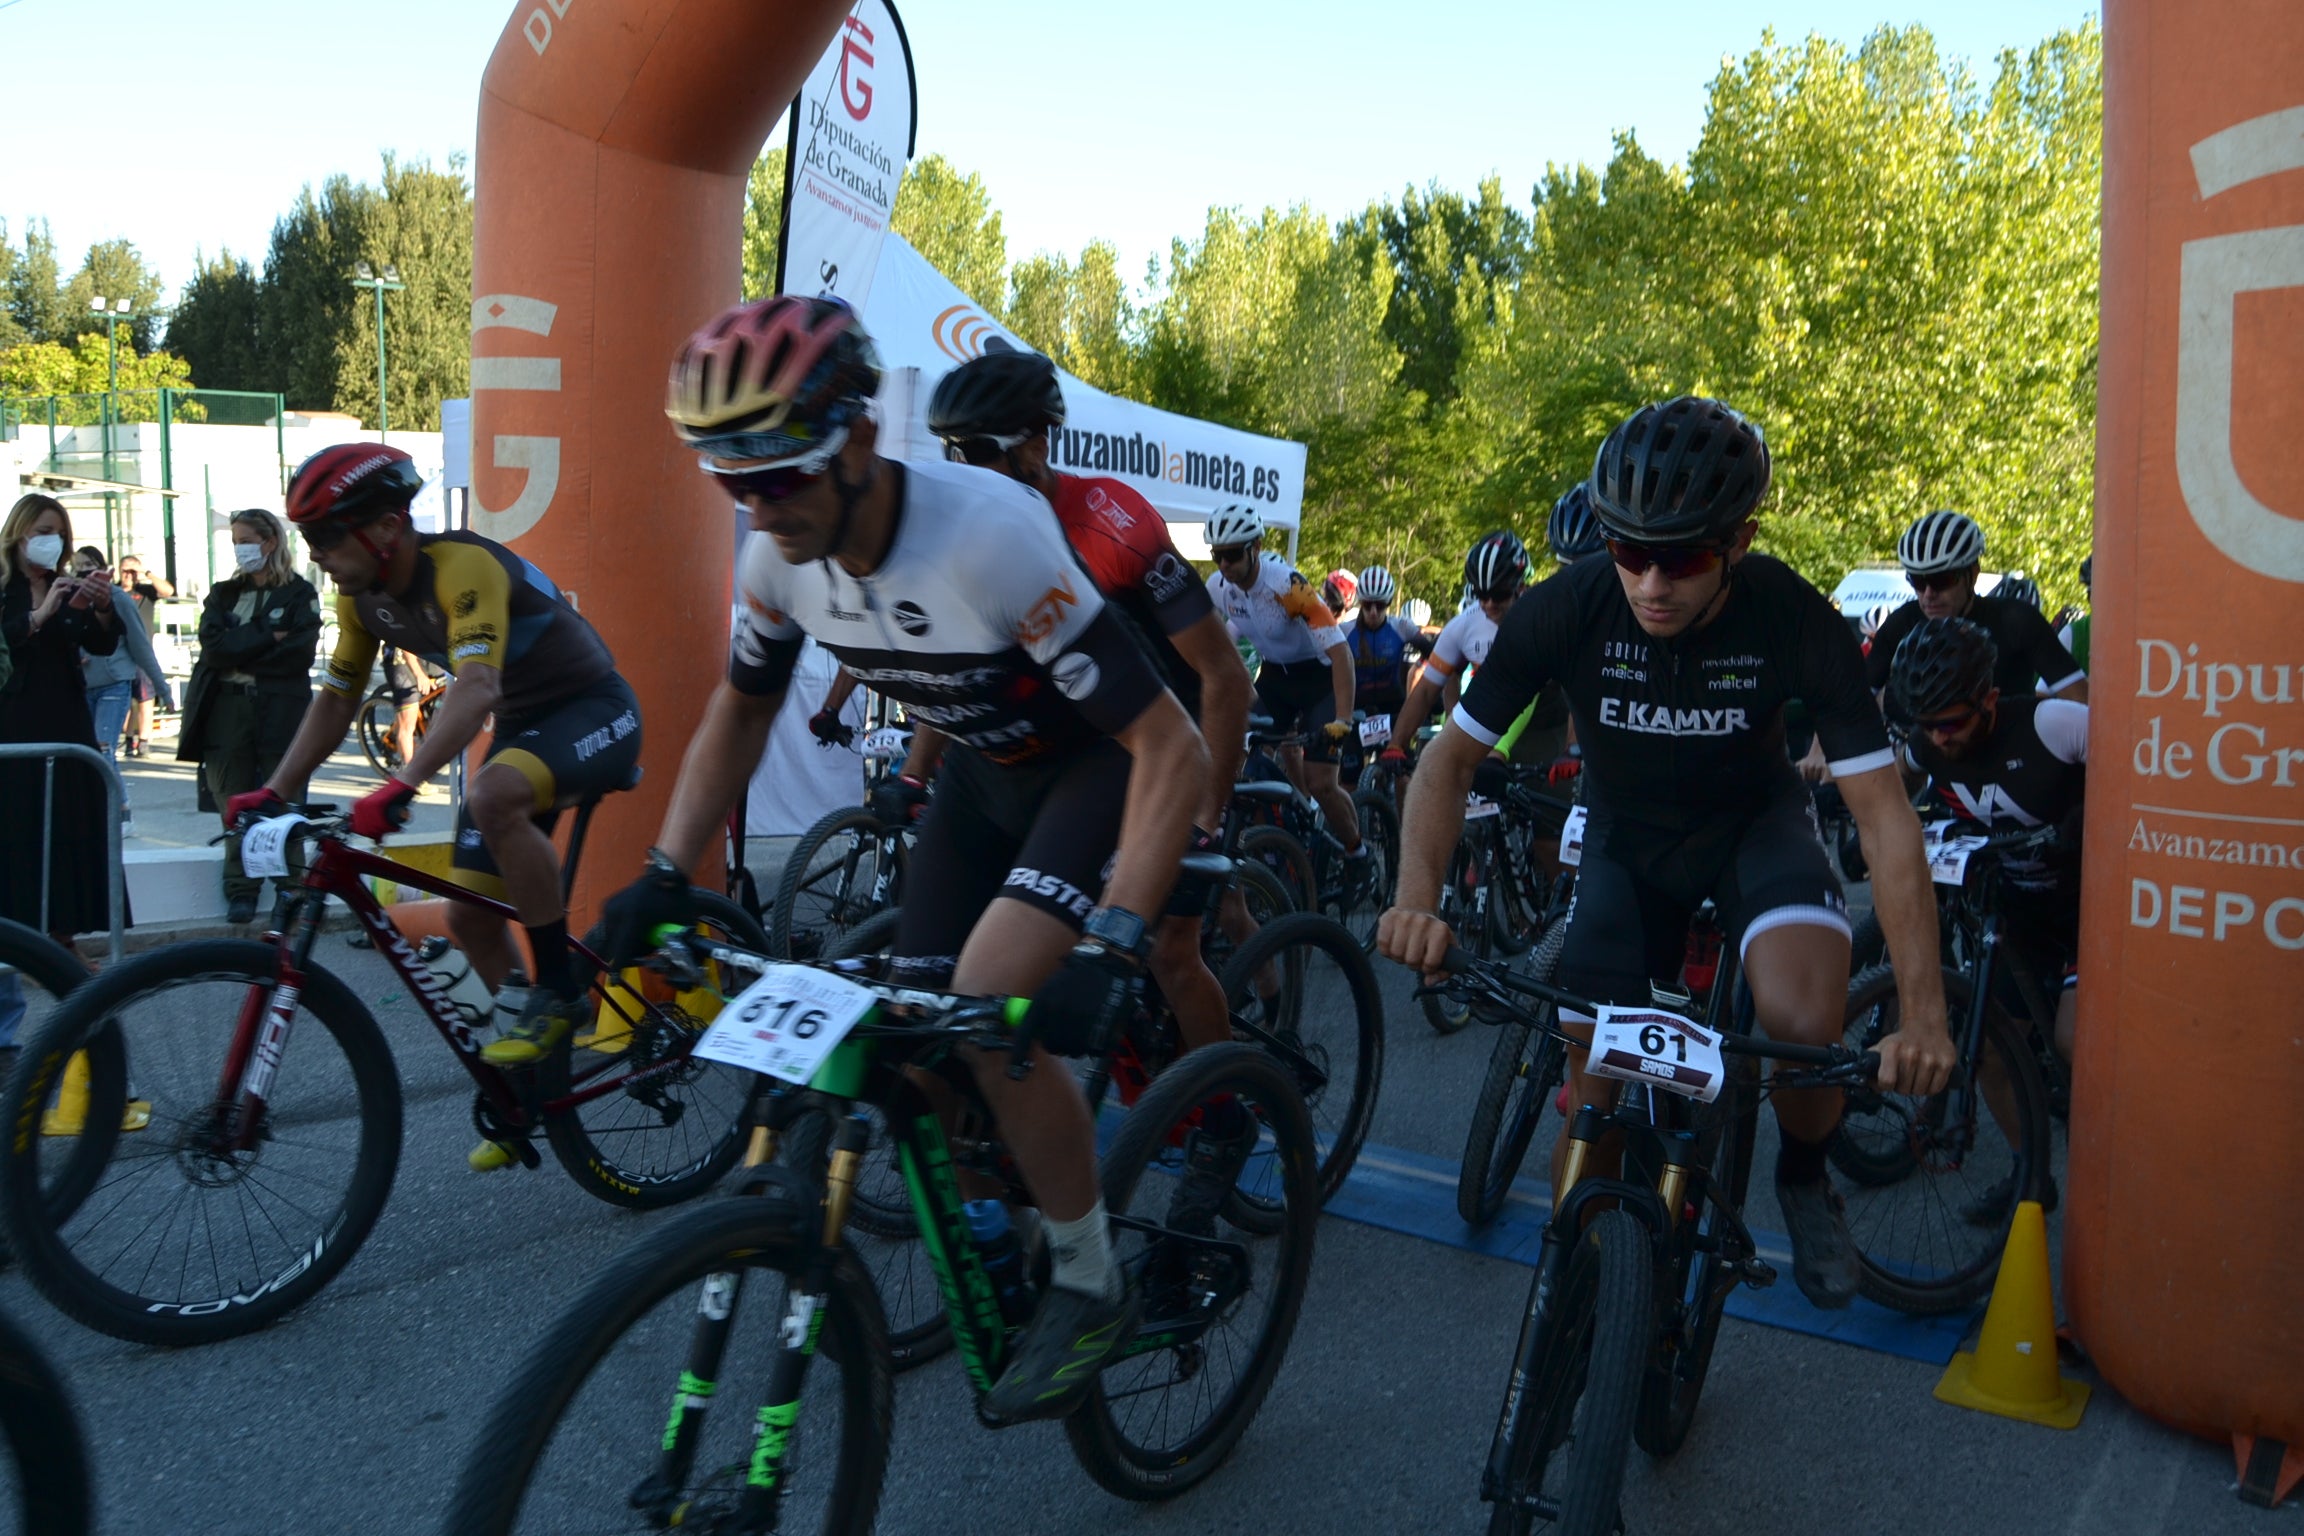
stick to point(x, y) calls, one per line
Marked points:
point(2215, 273)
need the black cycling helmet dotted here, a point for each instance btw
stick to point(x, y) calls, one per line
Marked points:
point(1689, 471)
point(1003, 394)
point(1573, 530)
point(1499, 560)
point(2016, 587)
point(1942, 664)
point(2088, 570)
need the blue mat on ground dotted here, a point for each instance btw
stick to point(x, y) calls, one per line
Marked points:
point(1415, 1195)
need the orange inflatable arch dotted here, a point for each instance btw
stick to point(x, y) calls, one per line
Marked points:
point(2184, 1239)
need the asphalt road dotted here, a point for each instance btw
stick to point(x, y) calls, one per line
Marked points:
point(356, 1413)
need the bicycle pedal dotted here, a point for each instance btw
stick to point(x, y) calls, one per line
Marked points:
point(1757, 1273)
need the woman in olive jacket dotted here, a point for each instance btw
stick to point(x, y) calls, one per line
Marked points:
point(250, 686)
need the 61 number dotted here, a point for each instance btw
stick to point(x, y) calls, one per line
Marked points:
point(1654, 1037)
point(804, 1028)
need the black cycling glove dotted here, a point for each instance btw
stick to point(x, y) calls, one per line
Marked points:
point(1077, 1010)
point(631, 917)
point(826, 727)
point(1492, 778)
point(898, 798)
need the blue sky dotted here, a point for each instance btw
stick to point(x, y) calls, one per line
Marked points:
point(186, 126)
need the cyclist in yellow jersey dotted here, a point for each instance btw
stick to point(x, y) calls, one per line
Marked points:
point(566, 725)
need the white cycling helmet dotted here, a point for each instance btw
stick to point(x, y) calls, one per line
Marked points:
point(1877, 615)
point(1416, 611)
point(1376, 585)
point(1233, 524)
point(1940, 541)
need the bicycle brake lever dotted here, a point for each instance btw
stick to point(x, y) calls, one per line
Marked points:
point(1020, 1049)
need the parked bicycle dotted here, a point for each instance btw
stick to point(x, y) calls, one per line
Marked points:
point(378, 721)
point(276, 1109)
point(1624, 1309)
point(761, 1294)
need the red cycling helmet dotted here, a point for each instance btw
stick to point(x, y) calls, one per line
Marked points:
point(351, 483)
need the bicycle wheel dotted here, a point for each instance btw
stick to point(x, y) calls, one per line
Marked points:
point(163, 1234)
point(580, 1428)
point(1380, 832)
point(377, 712)
point(1523, 1071)
point(1278, 850)
point(1217, 1313)
point(35, 973)
point(1444, 1011)
point(1566, 1459)
point(1676, 1371)
point(1262, 897)
point(1931, 1241)
point(828, 884)
point(1325, 1026)
point(51, 1490)
point(648, 1137)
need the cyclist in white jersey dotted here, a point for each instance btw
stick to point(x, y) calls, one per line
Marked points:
point(1306, 681)
point(1495, 570)
point(952, 591)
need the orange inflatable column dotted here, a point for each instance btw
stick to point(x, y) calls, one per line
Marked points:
point(2184, 1246)
point(614, 141)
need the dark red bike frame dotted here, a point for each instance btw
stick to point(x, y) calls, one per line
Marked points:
point(268, 1012)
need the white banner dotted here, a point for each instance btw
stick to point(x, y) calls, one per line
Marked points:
point(852, 133)
point(925, 327)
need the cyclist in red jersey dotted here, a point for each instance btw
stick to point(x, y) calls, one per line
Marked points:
point(994, 412)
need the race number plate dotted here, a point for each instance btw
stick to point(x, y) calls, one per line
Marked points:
point(1572, 838)
point(264, 847)
point(1475, 808)
point(1376, 730)
point(1948, 860)
point(887, 742)
point(786, 1023)
point(1664, 1050)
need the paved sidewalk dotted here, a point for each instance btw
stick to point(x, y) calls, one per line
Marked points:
point(163, 794)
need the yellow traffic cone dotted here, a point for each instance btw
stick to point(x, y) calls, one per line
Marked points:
point(610, 1033)
point(2013, 1372)
point(69, 1115)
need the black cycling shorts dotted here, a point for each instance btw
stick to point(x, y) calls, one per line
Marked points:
point(568, 752)
point(404, 680)
point(1040, 832)
point(1300, 696)
point(1628, 926)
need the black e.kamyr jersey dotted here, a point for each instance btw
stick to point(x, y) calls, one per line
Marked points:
point(1682, 735)
point(980, 620)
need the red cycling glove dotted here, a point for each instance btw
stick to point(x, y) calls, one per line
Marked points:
point(256, 802)
point(1563, 769)
point(382, 811)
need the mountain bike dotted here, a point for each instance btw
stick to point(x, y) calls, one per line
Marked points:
point(1932, 1185)
point(380, 713)
point(1288, 833)
point(47, 1456)
point(760, 1293)
point(276, 1108)
point(846, 867)
point(1625, 1305)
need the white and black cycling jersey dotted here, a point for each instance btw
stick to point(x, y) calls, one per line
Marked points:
point(980, 620)
point(1684, 735)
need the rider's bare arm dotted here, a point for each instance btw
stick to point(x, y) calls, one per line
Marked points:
point(1206, 646)
point(1411, 933)
point(1166, 785)
point(1919, 1057)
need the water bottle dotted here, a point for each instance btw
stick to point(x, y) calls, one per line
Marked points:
point(1003, 1258)
point(453, 971)
point(511, 1000)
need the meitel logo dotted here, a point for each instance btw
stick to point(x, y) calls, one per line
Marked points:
point(961, 333)
point(856, 87)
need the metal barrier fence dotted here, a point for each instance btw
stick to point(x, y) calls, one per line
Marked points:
point(117, 874)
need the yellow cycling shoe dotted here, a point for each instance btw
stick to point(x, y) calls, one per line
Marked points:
point(490, 1156)
point(543, 1024)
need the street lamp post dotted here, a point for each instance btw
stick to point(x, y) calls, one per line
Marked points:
point(111, 310)
point(390, 282)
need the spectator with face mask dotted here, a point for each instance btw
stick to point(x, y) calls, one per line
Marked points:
point(249, 689)
point(49, 617)
point(112, 678)
point(147, 590)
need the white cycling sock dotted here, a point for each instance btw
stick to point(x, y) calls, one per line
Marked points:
point(1082, 1251)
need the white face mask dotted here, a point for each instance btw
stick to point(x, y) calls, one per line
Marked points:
point(250, 556)
point(44, 550)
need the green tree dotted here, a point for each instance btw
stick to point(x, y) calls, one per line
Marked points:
point(947, 216)
point(308, 303)
point(36, 292)
point(218, 324)
point(420, 221)
point(81, 371)
point(114, 270)
point(11, 332)
point(763, 222)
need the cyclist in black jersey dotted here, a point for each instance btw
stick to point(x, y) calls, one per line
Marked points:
point(566, 725)
point(1678, 655)
point(952, 591)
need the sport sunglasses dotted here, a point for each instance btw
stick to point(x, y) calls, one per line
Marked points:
point(1232, 556)
point(1949, 725)
point(775, 482)
point(985, 449)
point(1937, 581)
point(1678, 562)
